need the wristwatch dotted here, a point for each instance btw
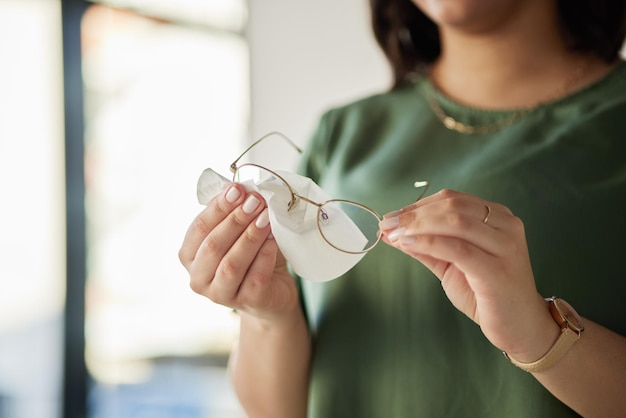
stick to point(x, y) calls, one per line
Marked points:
point(571, 328)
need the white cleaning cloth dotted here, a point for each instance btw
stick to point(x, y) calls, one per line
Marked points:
point(296, 232)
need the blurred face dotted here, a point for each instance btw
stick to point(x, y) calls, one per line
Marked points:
point(474, 15)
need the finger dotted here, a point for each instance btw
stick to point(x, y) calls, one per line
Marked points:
point(237, 264)
point(441, 252)
point(254, 291)
point(219, 242)
point(452, 199)
point(452, 279)
point(437, 266)
point(215, 211)
point(457, 219)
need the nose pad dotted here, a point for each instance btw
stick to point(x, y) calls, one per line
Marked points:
point(323, 216)
point(292, 203)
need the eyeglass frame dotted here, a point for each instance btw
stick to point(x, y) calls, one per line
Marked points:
point(234, 168)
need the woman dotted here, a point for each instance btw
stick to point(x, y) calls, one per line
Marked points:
point(517, 106)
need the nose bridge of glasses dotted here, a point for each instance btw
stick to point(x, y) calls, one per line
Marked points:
point(307, 200)
point(348, 226)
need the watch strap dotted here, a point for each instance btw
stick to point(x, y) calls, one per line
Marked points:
point(566, 339)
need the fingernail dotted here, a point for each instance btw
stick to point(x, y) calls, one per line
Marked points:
point(389, 223)
point(392, 214)
point(232, 194)
point(407, 240)
point(397, 233)
point(250, 204)
point(263, 220)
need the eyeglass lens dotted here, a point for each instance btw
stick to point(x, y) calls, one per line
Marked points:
point(346, 226)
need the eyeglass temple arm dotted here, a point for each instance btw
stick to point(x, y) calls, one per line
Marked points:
point(233, 166)
point(424, 185)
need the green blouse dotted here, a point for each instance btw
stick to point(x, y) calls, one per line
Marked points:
point(387, 342)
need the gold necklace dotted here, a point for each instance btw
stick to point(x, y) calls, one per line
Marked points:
point(464, 128)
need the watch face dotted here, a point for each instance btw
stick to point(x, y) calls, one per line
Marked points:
point(570, 315)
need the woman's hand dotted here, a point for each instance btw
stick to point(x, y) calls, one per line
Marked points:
point(478, 250)
point(233, 260)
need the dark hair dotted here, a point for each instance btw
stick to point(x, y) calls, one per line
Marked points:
point(410, 40)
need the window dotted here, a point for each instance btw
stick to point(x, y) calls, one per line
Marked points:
point(166, 95)
point(32, 218)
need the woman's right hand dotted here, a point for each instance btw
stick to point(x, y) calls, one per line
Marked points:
point(233, 259)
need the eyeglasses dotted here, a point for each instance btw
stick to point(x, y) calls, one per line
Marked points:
point(347, 226)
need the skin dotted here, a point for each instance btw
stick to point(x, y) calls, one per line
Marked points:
point(486, 273)
point(233, 260)
point(496, 54)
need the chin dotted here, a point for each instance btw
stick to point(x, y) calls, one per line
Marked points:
point(469, 14)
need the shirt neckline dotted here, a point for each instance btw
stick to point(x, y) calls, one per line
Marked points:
point(464, 110)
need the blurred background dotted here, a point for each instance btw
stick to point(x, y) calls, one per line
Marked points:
point(109, 111)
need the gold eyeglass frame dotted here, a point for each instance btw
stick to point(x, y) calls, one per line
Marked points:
point(234, 168)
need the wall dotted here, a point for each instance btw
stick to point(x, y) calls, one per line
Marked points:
point(307, 57)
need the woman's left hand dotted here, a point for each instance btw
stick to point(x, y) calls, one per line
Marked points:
point(478, 250)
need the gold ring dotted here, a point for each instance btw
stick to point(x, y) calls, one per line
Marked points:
point(486, 218)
